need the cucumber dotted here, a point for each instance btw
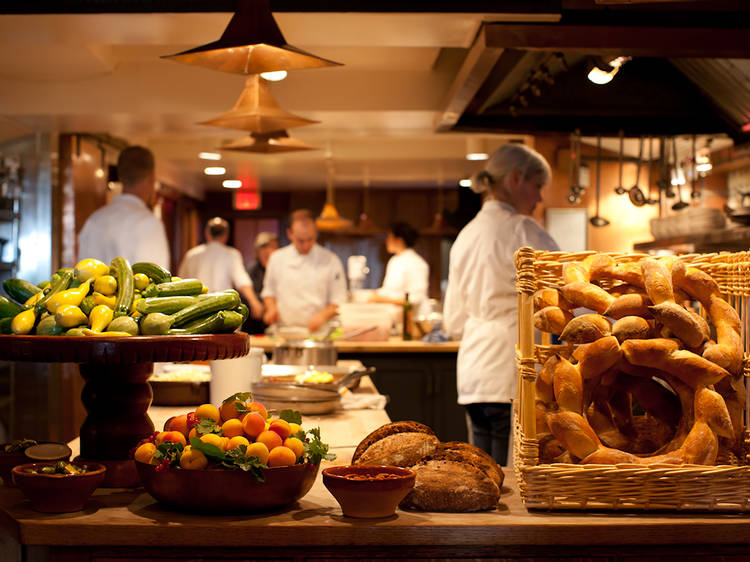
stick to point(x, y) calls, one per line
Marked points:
point(220, 301)
point(183, 287)
point(125, 285)
point(5, 325)
point(242, 310)
point(232, 321)
point(166, 305)
point(156, 272)
point(20, 290)
point(210, 324)
point(62, 283)
point(8, 308)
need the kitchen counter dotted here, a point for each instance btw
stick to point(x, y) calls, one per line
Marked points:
point(393, 345)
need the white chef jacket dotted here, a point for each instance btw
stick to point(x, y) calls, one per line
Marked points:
point(406, 272)
point(125, 227)
point(481, 302)
point(217, 265)
point(303, 284)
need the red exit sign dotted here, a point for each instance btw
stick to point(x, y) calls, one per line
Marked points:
point(247, 200)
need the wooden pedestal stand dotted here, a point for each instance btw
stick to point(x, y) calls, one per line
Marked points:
point(117, 393)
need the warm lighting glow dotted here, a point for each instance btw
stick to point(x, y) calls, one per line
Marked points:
point(99, 173)
point(476, 149)
point(232, 184)
point(466, 182)
point(603, 73)
point(677, 176)
point(703, 161)
point(215, 171)
point(209, 156)
point(275, 76)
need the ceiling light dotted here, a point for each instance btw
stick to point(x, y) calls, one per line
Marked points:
point(215, 171)
point(703, 161)
point(602, 72)
point(256, 111)
point(209, 156)
point(276, 141)
point(252, 43)
point(476, 149)
point(466, 182)
point(276, 76)
point(99, 173)
point(232, 184)
point(329, 219)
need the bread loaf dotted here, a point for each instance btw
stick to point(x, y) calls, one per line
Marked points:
point(450, 481)
point(478, 457)
point(398, 444)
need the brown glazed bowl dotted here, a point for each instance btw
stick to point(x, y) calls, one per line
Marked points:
point(220, 490)
point(368, 496)
point(57, 493)
point(51, 452)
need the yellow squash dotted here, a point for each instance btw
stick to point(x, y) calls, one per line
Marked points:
point(90, 268)
point(141, 281)
point(23, 322)
point(103, 299)
point(106, 285)
point(100, 317)
point(69, 316)
point(72, 297)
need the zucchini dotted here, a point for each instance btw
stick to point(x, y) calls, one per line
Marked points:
point(8, 307)
point(5, 325)
point(124, 324)
point(183, 287)
point(20, 290)
point(210, 324)
point(220, 301)
point(155, 324)
point(62, 283)
point(125, 285)
point(166, 305)
point(243, 310)
point(49, 327)
point(156, 272)
point(232, 321)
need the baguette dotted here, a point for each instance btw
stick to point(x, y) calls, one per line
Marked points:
point(586, 328)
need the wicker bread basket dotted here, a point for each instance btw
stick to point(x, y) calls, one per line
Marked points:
point(724, 488)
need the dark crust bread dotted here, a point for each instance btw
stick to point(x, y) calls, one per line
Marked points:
point(478, 457)
point(399, 449)
point(447, 481)
point(389, 429)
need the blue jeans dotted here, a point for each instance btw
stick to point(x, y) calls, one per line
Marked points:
point(490, 428)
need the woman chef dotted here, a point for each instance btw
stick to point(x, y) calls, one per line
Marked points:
point(481, 299)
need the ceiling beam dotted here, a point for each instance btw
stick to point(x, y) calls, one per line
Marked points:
point(639, 41)
point(475, 69)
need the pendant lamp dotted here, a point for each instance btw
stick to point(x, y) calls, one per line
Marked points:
point(268, 143)
point(329, 219)
point(252, 43)
point(256, 111)
point(366, 225)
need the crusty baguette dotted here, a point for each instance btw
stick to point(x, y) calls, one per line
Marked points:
point(447, 481)
point(631, 328)
point(586, 328)
point(691, 329)
point(658, 280)
point(630, 304)
point(552, 319)
point(574, 432)
point(584, 294)
point(547, 296)
point(597, 357)
point(390, 429)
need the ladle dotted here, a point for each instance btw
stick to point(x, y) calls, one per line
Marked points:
point(620, 189)
point(680, 203)
point(597, 220)
point(650, 200)
point(634, 193)
point(694, 193)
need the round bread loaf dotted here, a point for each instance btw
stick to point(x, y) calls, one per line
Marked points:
point(398, 443)
point(450, 481)
point(479, 457)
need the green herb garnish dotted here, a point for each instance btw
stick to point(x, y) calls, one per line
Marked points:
point(291, 416)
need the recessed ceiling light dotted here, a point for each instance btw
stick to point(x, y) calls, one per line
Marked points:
point(209, 156)
point(466, 182)
point(215, 171)
point(275, 76)
point(232, 184)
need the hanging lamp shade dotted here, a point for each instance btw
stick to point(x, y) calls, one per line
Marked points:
point(329, 219)
point(268, 143)
point(256, 111)
point(252, 43)
point(365, 225)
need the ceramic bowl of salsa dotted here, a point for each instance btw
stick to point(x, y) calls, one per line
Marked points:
point(58, 487)
point(368, 491)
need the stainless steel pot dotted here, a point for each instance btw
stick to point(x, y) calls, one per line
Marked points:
point(306, 352)
point(304, 399)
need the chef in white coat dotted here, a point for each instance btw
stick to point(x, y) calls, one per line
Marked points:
point(304, 282)
point(406, 272)
point(127, 227)
point(220, 266)
point(481, 299)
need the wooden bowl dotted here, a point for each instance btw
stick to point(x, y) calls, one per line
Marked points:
point(368, 496)
point(57, 493)
point(218, 490)
point(9, 460)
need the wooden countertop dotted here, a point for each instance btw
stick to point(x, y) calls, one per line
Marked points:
point(393, 345)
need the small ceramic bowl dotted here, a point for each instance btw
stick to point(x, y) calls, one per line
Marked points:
point(57, 493)
point(39, 452)
point(368, 491)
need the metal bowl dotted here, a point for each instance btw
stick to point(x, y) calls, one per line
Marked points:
point(304, 399)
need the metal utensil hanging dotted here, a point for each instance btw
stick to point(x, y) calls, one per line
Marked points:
point(694, 193)
point(634, 193)
point(650, 200)
point(576, 189)
point(597, 220)
point(680, 204)
point(620, 189)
